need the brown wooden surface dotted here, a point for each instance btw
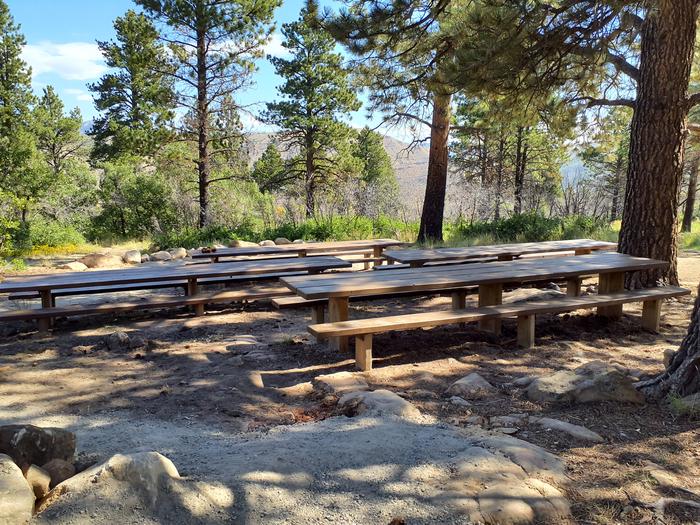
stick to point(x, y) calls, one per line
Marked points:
point(167, 272)
point(564, 304)
point(438, 278)
point(309, 247)
point(502, 251)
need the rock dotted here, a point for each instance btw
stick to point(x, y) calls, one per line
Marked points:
point(553, 286)
point(472, 386)
point(145, 258)
point(506, 430)
point(508, 421)
point(27, 444)
point(298, 241)
point(178, 253)
point(59, 471)
point(577, 431)
point(691, 403)
point(476, 420)
point(132, 257)
point(118, 341)
point(242, 244)
point(523, 381)
point(377, 403)
point(668, 355)
point(456, 400)
point(595, 381)
point(339, 383)
point(39, 480)
point(267, 243)
point(16, 496)
point(282, 240)
point(161, 256)
point(73, 266)
point(101, 260)
point(137, 341)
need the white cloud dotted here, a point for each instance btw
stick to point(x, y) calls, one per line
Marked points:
point(79, 94)
point(70, 60)
point(274, 46)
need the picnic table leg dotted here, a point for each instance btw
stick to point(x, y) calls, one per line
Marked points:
point(301, 253)
point(192, 290)
point(573, 287)
point(318, 316)
point(378, 252)
point(367, 256)
point(505, 257)
point(490, 295)
point(46, 302)
point(526, 331)
point(582, 251)
point(338, 311)
point(651, 315)
point(459, 302)
point(611, 283)
point(363, 352)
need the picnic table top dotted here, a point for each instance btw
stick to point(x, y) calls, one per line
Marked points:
point(442, 277)
point(307, 247)
point(495, 250)
point(167, 272)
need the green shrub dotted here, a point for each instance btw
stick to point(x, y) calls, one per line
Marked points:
point(53, 234)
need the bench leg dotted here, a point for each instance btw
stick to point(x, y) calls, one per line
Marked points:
point(651, 315)
point(611, 283)
point(192, 290)
point(582, 251)
point(318, 316)
point(366, 265)
point(490, 295)
point(526, 331)
point(363, 352)
point(573, 287)
point(338, 311)
point(459, 302)
point(47, 301)
point(378, 252)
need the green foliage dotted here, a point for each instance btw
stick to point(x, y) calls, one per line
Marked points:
point(378, 190)
point(269, 171)
point(136, 99)
point(53, 234)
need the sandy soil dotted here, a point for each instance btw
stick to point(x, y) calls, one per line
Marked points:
point(201, 382)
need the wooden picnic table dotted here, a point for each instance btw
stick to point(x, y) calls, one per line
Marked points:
point(44, 284)
point(489, 277)
point(303, 249)
point(503, 252)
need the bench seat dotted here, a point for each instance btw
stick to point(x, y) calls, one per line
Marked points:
point(525, 312)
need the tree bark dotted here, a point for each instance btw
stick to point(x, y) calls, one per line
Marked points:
point(436, 184)
point(499, 175)
point(616, 183)
point(203, 167)
point(689, 209)
point(520, 163)
point(659, 126)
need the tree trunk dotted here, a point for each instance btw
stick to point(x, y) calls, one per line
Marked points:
point(202, 126)
point(436, 184)
point(499, 176)
point(659, 126)
point(309, 177)
point(689, 209)
point(616, 182)
point(520, 163)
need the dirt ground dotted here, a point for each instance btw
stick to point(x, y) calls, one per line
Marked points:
point(201, 381)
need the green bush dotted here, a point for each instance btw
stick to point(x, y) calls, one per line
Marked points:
point(53, 234)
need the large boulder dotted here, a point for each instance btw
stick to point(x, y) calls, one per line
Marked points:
point(178, 253)
point(377, 403)
point(472, 386)
point(118, 341)
point(339, 383)
point(592, 382)
point(101, 260)
point(73, 266)
point(132, 257)
point(267, 243)
point(282, 240)
point(16, 496)
point(242, 244)
point(59, 471)
point(27, 444)
point(39, 480)
point(161, 256)
point(145, 258)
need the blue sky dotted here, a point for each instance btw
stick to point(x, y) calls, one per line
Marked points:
point(61, 48)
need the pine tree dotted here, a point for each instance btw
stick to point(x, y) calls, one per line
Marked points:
point(215, 43)
point(378, 189)
point(136, 100)
point(269, 171)
point(316, 94)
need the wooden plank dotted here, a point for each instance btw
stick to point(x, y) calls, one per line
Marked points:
point(437, 278)
point(168, 273)
point(526, 331)
point(573, 286)
point(565, 304)
point(338, 312)
point(498, 250)
point(46, 302)
point(363, 352)
point(490, 295)
point(611, 283)
point(651, 315)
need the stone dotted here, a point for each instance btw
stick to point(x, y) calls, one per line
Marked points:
point(101, 260)
point(668, 355)
point(73, 266)
point(145, 258)
point(592, 382)
point(506, 430)
point(267, 243)
point(508, 421)
point(16, 496)
point(377, 403)
point(39, 480)
point(476, 420)
point(576, 431)
point(298, 241)
point(28, 444)
point(472, 386)
point(523, 381)
point(161, 256)
point(59, 471)
point(282, 240)
point(242, 244)
point(118, 341)
point(461, 402)
point(132, 257)
point(178, 253)
point(339, 383)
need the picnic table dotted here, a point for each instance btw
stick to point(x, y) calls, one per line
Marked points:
point(502, 252)
point(191, 273)
point(377, 246)
point(489, 277)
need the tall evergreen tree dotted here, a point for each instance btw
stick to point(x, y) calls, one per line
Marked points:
point(269, 171)
point(136, 100)
point(215, 44)
point(316, 94)
point(378, 189)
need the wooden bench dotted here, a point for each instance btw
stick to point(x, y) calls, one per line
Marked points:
point(151, 303)
point(525, 312)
